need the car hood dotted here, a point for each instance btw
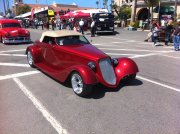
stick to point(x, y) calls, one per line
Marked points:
point(86, 50)
point(15, 31)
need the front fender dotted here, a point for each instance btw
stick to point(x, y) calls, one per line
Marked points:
point(125, 67)
point(36, 53)
point(88, 75)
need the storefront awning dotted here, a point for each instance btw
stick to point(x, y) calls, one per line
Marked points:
point(163, 9)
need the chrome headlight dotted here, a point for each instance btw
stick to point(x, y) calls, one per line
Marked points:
point(114, 61)
point(92, 66)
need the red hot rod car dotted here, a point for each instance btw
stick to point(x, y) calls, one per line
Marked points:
point(68, 55)
point(12, 32)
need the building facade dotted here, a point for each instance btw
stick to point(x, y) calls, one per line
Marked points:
point(167, 9)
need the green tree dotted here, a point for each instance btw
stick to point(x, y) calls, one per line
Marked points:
point(23, 9)
point(152, 4)
point(123, 12)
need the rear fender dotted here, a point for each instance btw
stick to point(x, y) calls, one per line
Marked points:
point(36, 53)
point(88, 75)
point(126, 66)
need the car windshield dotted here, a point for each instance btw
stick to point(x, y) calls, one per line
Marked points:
point(71, 40)
point(7, 25)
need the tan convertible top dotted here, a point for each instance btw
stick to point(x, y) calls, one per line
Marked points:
point(59, 33)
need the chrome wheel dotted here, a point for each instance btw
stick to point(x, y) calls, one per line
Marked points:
point(77, 83)
point(30, 58)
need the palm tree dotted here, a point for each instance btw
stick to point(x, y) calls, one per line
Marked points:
point(105, 4)
point(152, 4)
point(97, 3)
point(175, 10)
point(4, 7)
point(135, 6)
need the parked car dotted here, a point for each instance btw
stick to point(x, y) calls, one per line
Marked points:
point(12, 32)
point(68, 55)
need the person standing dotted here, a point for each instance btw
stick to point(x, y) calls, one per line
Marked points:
point(176, 39)
point(168, 31)
point(42, 24)
point(155, 33)
point(47, 24)
point(81, 26)
point(93, 28)
point(52, 23)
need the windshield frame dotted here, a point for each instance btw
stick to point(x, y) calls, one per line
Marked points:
point(72, 40)
point(11, 25)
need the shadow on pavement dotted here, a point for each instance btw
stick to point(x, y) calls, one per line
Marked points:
point(99, 90)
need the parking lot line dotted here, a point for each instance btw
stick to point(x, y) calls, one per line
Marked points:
point(14, 64)
point(157, 83)
point(119, 54)
point(47, 115)
point(170, 56)
point(18, 75)
point(136, 50)
point(12, 51)
point(21, 55)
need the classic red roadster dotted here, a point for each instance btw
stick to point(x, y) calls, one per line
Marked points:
point(12, 32)
point(68, 55)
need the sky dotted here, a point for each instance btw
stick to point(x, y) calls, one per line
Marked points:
point(81, 3)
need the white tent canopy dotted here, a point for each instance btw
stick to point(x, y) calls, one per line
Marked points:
point(29, 13)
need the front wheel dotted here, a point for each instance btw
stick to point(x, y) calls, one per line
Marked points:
point(128, 79)
point(30, 59)
point(78, 85)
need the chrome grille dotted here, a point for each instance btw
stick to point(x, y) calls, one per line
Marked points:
point(107, 71)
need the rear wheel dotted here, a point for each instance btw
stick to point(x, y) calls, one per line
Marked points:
point(78, 85)
point(30, 59)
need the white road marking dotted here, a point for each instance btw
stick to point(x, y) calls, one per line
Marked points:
point(104, 44)
point(113, 38)
point(135, 50)
point(47, 115)
point(14, 64)
point(170, 56)
point(157, 83)
point(145, 55)
point(18, 75)
point(21, 55)
point(12, 51)
point(119, 54)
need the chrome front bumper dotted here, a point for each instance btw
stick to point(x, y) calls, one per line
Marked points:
point(17, 40)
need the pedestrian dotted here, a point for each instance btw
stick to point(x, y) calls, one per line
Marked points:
point(176, 38)
point(168, 32)
point(42, 24)
point(52, 23)
point(93, 28)
point(81, 26)
point(155, 33)
point(36, 23)
point(47, 24)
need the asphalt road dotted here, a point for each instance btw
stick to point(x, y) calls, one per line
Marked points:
point(33, 103)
